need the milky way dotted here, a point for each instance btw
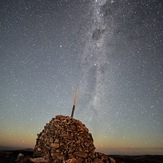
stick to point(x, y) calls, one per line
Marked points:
point(94, 61)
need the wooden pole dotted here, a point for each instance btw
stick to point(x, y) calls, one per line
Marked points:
point(75, 98)
point(73, 108)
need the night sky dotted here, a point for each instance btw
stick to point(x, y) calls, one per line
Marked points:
point(110, 50)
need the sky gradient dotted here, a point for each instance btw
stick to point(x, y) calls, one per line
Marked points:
point(111, 50)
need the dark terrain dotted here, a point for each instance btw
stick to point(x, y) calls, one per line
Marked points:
point(138, 159)
point(9, 156)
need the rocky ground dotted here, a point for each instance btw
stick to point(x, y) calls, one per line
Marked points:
point(10, 156)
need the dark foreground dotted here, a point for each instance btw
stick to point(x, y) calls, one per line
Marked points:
point(9, 156)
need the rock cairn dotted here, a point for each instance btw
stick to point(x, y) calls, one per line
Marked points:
point(65, 139)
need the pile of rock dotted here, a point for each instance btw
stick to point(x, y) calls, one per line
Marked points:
point(65, 139)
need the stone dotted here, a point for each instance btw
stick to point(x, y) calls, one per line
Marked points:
point(65, 139)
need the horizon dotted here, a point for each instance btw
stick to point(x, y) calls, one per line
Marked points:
point(128, 151)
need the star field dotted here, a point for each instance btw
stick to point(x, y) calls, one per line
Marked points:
point(110, 50)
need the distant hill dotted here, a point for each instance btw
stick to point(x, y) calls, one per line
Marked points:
point(4, 148)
